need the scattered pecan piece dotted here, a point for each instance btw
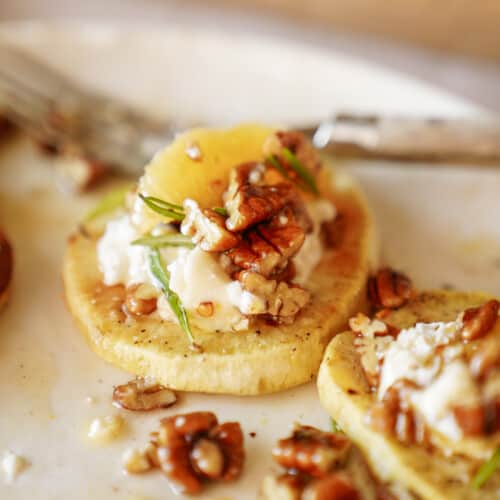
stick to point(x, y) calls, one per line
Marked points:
point(283, 301)
point(249, 204)
point(6, 268)
point(389, 289)
point(478, 321)
point(140, 299)
point(207, 228)
point(312, 451)
point(138, 461)
point(193, 448)
point(143, 394)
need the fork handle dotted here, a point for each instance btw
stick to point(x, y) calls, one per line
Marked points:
point(411, 139)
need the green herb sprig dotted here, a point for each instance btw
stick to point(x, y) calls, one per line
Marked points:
point(165, 240)
point(301, 170)
point(336, 427)
point(221, 211)
point(108, 203)
point(163, 276)
point(486, 470)
point(162, 207)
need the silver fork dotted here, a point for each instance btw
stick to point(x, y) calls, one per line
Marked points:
point(57, 112)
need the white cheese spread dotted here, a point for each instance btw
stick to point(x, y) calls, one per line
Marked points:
point(195, 275)
point(444, 382)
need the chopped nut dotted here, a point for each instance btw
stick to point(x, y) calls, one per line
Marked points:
point(140, 299)
point(311, 451)
point(366, 326)
point(205, 309)
point(478, 321)
point(283, 301)
point(389, 289)
point(207, 228)
point(137, 461)
point(105, 429)
point(143, 394)
point(193, 447)
point(248, 204)
point(13, 465)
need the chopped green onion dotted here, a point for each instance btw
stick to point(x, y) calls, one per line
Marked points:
point(221, 211)
point(336, 428)
point(165, 240)
point(486, 470)
point(108, 203)
point(300, 170)
point(161, 273)
point(163, 207)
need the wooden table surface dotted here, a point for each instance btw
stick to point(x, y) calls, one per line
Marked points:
point(466, 26)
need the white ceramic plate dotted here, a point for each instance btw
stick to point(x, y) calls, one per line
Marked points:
point(439, 225)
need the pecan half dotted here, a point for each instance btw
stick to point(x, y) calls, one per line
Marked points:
point(312, 451)
point(478, 321)
point(267, 248)
point(207, 228)
point(143, 395)
point(249, 204)
point(283, 301)
point(389, 289)
point(193, 448)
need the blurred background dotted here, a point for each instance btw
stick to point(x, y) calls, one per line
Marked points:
point(453, 44)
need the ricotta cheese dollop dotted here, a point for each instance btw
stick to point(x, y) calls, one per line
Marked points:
point(443, 381)
point(195, 275)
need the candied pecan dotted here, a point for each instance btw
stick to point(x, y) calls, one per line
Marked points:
point(194, 447)
point(472, 420)
point(335, 486)
point(205, 309)
point(311, 451)
point(140, 299)
point(298, 144)
point(282, 300)
point(248, 204)
point(389, 289)
point(143, 395)
point(207, 228)
point(478, 321)
point(6, 268)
